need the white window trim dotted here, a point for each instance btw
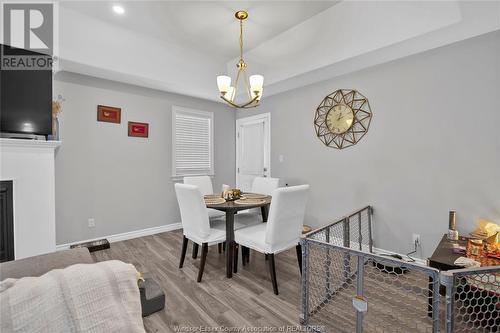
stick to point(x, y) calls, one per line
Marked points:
point(188, 111)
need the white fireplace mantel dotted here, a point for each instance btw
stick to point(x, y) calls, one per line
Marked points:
point(19, 143)
point(29, 164)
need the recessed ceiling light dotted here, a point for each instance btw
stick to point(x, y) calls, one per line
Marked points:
point(119, 9)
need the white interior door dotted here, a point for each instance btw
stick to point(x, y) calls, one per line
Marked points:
point(253, 149)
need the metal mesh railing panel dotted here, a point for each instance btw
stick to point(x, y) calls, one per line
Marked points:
point(353, 231)
point(330, 287)
point(360, 230)
point(339, 269)
point(333, 234)
point(398, 297)
point(475, 298)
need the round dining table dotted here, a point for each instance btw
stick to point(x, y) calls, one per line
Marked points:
point(231, 208)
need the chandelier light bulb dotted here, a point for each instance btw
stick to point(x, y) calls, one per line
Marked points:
point(223, 83)
point(256, 82)
point(119, 9)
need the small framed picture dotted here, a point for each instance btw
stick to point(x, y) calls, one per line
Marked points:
point(140, 130)
point(109, 114)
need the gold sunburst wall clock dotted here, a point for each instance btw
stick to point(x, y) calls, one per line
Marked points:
point(342, 118)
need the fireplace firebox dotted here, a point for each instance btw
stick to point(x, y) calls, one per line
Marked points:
point(6, 222)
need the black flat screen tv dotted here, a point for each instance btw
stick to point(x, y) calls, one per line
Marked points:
point(25, 98)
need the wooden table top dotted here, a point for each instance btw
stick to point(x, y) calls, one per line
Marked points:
point(445, 258)
point(443, 255)
point(231, 205)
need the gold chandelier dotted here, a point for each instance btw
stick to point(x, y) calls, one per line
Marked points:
point(253, 84)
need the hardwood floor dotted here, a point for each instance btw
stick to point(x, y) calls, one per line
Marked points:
point(246, 300)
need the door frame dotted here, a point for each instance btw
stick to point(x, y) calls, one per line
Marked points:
point(267, 132)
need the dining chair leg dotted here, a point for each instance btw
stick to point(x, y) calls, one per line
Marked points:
point(195, 250)
point(298, 249)
point(184, 249)
point(245, 255)
point(219, 246)
point(272, 269)
point(235, 258)
point(204, 251)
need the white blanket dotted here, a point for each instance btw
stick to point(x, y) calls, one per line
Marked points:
point(101, 297)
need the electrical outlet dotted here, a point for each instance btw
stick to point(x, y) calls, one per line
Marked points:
point(91, 222)
point(416, 239)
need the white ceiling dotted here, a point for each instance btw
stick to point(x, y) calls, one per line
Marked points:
point(181, 46)
point(208, 27)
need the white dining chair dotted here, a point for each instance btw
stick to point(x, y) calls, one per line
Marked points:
point(260, 185)
point(195, 223)
point(204, 183)
point(282, 230)
point(264, 185)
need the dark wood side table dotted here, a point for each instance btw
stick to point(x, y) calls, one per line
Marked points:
point(230, 207)
point(443, 259)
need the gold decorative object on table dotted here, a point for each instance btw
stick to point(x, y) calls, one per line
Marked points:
point(475, 247)
point(232, 194)
point(485, 241)
point(342, 118)
point(492, 247)
point(485, 229)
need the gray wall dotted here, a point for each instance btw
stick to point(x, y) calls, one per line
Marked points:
point(124, 183)
point(433, 145)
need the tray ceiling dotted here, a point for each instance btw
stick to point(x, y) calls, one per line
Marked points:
point(181, 46)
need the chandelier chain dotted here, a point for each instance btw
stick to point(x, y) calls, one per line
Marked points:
point(241, 40)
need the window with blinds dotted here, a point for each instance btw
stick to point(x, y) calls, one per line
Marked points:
point(192, 142)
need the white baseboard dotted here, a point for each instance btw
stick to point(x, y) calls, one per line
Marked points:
point(418, 261)
point(176, 226)
point(376, 250)
point(127, 235)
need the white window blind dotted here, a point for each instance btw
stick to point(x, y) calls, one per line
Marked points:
point(192, 138)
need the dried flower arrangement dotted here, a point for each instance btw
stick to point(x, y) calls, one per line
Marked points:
point(56, 110)
point(57, 106)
